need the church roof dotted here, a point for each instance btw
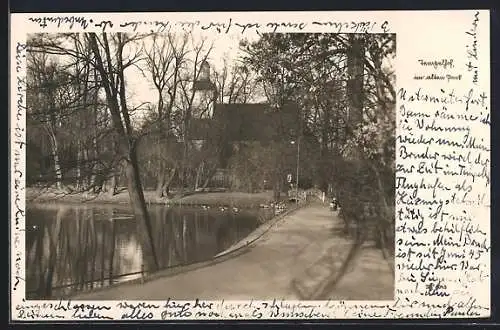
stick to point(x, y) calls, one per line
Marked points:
point(247, 122)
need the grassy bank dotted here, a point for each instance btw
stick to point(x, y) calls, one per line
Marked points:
point(236, 199)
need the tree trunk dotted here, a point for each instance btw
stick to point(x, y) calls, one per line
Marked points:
point(92, 166)
point(161, 163)
point(199, 172)
point(325, 165)
point(183, 165)
point(78, 166)
point(104, 185)
point(89, 177)
point(276, 187)
point(160, 184)
point(355, 68)
point(91, 163)
point(166, 187)
point(57, 165)
point(278, 172)
point(111, 185)
point(137, 199)
point(210, 175)
point(115, 173)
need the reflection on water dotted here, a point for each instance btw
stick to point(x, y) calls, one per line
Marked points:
point(71, 248)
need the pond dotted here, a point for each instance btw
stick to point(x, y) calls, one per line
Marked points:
point(70, 248)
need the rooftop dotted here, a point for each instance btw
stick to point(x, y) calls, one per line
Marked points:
point(247, 122)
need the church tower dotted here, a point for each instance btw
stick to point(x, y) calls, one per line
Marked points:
point(205, 93)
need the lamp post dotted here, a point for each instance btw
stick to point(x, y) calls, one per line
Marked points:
point(297, 174)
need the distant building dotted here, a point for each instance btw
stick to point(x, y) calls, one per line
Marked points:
point(237, 122)
point(228, 125)
point(247, 122)
point(205, 93)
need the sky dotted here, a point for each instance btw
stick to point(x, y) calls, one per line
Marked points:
point(224, 46)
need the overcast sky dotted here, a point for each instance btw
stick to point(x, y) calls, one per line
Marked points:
point(224, 46)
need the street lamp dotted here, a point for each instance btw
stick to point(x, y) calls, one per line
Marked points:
point(297, 174)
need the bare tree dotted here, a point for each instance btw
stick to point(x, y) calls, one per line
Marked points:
point(112, 72)
point(43, 85)
point(165, 59)
point(79, 121)
point(235, 83)
point(199, 54)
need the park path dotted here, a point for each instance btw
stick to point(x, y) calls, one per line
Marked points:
point(293, 259)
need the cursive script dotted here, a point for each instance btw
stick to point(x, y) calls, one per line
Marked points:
point(442, 184)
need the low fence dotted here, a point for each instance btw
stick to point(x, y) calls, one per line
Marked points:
point(317, 194)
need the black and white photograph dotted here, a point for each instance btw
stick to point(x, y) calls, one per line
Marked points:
point(189, 165)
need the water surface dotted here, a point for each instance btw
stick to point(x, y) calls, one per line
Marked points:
point(70, 248)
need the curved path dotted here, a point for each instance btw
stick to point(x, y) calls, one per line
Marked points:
point(290, 261)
